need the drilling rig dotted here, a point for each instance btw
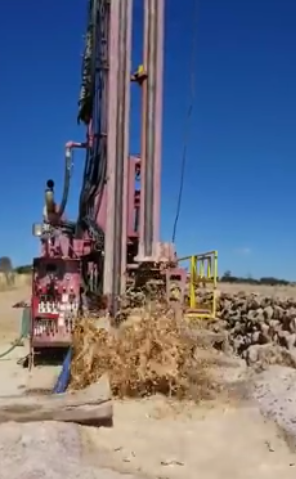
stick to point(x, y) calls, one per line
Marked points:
point(115, 241)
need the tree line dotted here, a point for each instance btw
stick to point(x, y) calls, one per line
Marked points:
point(228, 277)
point(6, 267)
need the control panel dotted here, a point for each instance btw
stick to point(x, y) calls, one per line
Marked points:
point(55, 299)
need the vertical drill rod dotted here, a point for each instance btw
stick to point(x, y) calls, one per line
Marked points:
point(151, 127)
point(122, 147)
point(126, 135)
point(119, 100)
point(160, 26)
point(111, 146)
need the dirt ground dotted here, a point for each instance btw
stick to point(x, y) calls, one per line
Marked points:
point(278, 291)
point(159, 439)
point(220, 441)
point(13, 378)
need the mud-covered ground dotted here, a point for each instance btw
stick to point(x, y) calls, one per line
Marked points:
point(154, 438)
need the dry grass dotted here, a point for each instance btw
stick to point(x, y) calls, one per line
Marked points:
point(147, 354)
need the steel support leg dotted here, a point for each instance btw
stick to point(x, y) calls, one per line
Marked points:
point(151, 128)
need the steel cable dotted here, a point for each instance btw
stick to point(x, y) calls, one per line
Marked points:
point(187, 120)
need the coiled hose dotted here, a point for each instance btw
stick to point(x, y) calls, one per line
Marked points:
point(25, 325)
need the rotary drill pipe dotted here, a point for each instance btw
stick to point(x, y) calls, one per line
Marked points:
point(151, 134)
point(118, 149)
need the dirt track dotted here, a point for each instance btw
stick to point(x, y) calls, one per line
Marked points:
point(151, 437)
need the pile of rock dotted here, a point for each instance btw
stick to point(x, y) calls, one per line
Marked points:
point(259, 326)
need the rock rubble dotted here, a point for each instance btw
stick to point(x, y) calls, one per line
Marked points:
point(259, 329)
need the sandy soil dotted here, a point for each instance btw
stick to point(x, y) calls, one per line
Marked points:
point(217, 441)
point(153, 438)
point(14, 379)
point(10, 318)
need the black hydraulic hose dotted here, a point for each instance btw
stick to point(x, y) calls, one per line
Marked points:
point(96, 168)
point(102, 41)
point(84, 186)
point(85, 111)
point(86, 100)
point(101, 180)
point(66, 188)
point(94, 86)
point(88, 67)
point(69, 226)
point(101, 189)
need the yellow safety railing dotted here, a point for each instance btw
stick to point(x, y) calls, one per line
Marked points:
point(202, 285)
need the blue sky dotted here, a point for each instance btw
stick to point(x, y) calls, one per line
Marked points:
point(240, 177)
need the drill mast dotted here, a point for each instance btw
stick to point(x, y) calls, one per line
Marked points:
point(114, 243)
point(117, 229)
